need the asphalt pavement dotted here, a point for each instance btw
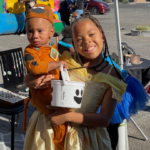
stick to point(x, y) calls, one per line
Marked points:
point(131, 15)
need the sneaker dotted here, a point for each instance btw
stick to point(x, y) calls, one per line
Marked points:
point(23, 34)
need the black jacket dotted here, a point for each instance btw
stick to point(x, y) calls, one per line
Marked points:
point(79, 4)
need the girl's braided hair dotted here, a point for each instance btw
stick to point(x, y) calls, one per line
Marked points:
point(87, 16)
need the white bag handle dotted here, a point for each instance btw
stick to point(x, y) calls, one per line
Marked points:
point(64, 75)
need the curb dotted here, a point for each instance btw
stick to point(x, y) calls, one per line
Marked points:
point(138, 32)
point(139, 3)
point(130, 3)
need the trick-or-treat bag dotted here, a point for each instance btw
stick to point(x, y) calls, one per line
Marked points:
point(66, 93)
point(71, 94)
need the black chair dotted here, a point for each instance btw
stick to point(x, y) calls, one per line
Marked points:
point(13, 70)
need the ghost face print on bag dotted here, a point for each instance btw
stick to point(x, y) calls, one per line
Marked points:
point(78, 96)
point(69, 95)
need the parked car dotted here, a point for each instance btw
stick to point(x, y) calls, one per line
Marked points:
point(97, 7)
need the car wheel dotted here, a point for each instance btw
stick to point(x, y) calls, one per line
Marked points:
point(94, 11)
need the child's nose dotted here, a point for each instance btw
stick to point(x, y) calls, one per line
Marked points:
point(35, 35)
point(87, 40)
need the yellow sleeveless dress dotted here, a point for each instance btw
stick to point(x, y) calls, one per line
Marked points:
point(39, 135)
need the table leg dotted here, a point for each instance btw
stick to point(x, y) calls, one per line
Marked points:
point(12, 132)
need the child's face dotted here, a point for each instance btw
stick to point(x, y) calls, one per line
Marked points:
point(88, 39)
point(39, 31)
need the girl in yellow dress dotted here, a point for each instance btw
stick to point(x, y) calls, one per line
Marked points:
point(86, 129)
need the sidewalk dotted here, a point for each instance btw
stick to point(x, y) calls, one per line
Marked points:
point(5, 140)
point(5, 130)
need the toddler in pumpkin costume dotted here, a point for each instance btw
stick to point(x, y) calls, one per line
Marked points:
point(42, 58)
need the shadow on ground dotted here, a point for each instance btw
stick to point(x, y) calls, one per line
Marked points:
point(136, 138)
point(147, 109)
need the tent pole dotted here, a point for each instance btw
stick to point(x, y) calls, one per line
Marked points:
point(124, 139)
point(118, 33)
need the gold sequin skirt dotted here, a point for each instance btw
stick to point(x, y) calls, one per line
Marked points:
point(39, 136)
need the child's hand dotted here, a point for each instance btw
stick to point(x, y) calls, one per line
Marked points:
point(65, 65)
point(38, 82)
point(59, 116)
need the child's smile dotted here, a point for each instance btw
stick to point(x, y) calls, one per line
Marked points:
point(90, 49)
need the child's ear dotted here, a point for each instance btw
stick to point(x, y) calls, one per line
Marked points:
point(52, 31)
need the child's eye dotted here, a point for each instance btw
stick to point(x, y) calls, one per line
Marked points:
point(40, 31)
point(30, 31)
point(92, 34)
point(79, 40)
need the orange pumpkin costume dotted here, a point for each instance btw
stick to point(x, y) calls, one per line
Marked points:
point(36, 61)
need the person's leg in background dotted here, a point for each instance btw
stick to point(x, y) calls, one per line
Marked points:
point(67, 18)
point(113, 134)
point(65, 15)
point(79, 13)
point(28, 7)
